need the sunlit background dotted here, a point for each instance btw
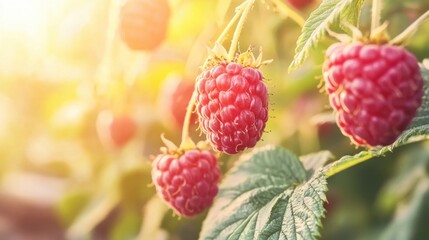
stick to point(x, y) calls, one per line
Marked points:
point(65, 75)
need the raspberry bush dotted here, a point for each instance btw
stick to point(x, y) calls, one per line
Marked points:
point(263, 151)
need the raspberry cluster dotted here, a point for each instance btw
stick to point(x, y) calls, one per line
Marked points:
point(374, 89)
point(232, 104)
point(187, 183)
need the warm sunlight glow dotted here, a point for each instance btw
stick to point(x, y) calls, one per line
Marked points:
point(22, 16)
point(25, 16)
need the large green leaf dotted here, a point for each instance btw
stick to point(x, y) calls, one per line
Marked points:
point(267, 195)
point(324, 17)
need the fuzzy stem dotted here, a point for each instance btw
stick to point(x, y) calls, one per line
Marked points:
point(239, 10)
point(288, 12)
point(341, 166)
point(237, 32)
point(92, 216)
point(408, 32)
point(375, 15)
point(186, 140)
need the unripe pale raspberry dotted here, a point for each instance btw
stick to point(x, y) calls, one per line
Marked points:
point(188, 183)
point(232, 104)
point(374, 89)
point(143, 23)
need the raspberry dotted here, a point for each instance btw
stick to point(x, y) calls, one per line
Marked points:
point(115, 130)
point(232, 104)
point(374, 89)
point(300, 4)
point(143, 23)
point(122, 129)
point(187, 183)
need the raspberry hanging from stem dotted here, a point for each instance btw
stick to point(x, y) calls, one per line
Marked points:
point(241, 13)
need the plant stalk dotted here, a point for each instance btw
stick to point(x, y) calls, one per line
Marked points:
point(239, 10)
point(104, 70)
point(186, 140)
point(375, 16)
point(240, 24)
point(288, 12)
point(408, 32)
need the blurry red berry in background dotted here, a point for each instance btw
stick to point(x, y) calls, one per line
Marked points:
point(122, 129)
point(175, 95)
point(144, 23)
point(300, 4)
point(115, 130)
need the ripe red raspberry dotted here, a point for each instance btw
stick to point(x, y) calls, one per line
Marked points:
point(188, 183)
point(374, 89)
point(300, 4)
point(143, 23)
point(232, 104)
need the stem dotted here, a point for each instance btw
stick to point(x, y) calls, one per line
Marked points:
point(337, 167)
point(93, 215)
point(237, 32)
point(239, 10)
point(288, 12)
point(408, 32)
point(341, 165)
point(375, 15)
point(186, 140)
point(104, 70)
point(153, 215)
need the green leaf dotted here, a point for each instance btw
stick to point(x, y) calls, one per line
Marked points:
point(314, 161)
point(267, 195)
point(324, 17)
point(351, 13)
point(418, 130)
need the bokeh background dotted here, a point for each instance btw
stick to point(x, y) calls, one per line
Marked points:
point(65, 75)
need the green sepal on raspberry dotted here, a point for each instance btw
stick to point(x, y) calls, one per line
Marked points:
point(187, 180)
point(375, 90)
point(232, 100)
